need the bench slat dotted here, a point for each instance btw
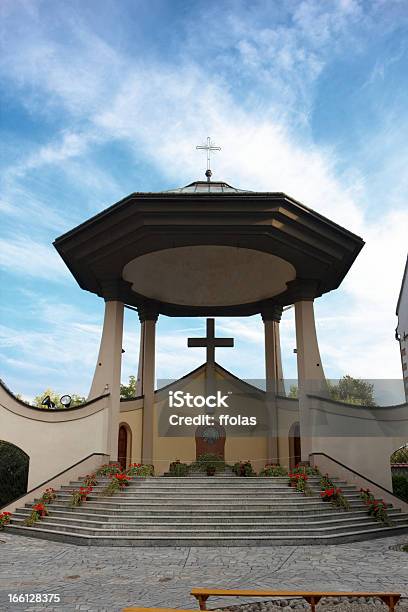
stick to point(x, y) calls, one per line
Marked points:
point(262, 593)
point(156, 610)
point(312, 597)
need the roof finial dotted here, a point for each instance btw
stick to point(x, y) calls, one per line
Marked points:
point(208, 147)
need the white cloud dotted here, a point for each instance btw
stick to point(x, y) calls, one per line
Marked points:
point(22, 255)
point(160, 111)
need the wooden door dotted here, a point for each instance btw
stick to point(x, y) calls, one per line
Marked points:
point(210, 439)
point(122, 447)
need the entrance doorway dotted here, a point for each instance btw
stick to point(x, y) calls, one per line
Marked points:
point(294, 445)
point(124, 446)
point(210, 439)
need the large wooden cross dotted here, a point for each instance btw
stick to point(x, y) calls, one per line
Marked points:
point(210, 342)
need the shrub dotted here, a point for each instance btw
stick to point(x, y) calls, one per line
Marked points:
point(48, 496)
point(38, 512)
point(272, 469)
point(13, 472)
point(299, 482)
point(375, 507)
point(243, 468)
point(306, 469)
point(78, 496)
point(117, 483)
point(336, 497)
point(141, 470)
point(378, 509)
point(90, 480)
point(178, 469)
point(326, 482)
point(4, 519)
point(400, 486)
point(208, 463)
point(108, 469)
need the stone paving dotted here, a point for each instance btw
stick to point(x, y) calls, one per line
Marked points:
point(99, 579)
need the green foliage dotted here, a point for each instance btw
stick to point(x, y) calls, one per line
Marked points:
point(13, 472)
point(400, 486)
point(400, 455)
point(353, 391)
point(79, 496)
point(299, 482)
point(108, 469)
point(208, 463)
point(377, 508)
point(273, 470)
point(336, 497)
point(117, 483)
point(128, 391)
point(55, 397)
point(306, 469)
point(326, 482)
point(243, 468)
point(348, 389)
point(293, 391)
point(140, 470)
point(178, 469)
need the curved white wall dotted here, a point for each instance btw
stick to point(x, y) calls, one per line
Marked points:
point(53, 439)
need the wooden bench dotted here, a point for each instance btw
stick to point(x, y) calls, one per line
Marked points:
point(312, 597)
point(156, 610)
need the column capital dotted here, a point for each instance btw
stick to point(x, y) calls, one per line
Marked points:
point(148, 311)
point(272, 312)
point(304, 289)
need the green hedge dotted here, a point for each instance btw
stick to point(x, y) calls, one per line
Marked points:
point(13, 472)
point(400, 486)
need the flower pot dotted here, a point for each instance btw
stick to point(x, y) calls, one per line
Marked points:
point(210, 471)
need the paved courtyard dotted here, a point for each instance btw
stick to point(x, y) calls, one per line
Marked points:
point(107, 579)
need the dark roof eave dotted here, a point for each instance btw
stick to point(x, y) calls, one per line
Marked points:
point(188, 196)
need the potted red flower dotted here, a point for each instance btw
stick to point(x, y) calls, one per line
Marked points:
point(4, 519)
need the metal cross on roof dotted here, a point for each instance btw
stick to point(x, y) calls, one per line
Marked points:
point(210, 342)
point(208, 147)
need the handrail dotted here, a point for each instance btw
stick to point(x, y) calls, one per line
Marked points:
point(357, 474)
point(53, 478)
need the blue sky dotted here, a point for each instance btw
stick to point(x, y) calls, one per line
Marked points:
point(100, 99)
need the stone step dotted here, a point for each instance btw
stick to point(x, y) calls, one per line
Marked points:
point(187, 490)
point(210, 540)
point(80, 514)
point(298, 503)
point(221, 531)
point(160, 510)
point(74, 525)
point(199, 495)
point(206, 511)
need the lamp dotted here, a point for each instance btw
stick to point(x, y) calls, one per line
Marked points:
point(66, 400)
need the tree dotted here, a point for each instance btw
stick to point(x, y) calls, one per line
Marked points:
point(293, 391)
point(353, 391)
point(400, 455)
point(348, 389)
point(76, 400)
point(129, 391)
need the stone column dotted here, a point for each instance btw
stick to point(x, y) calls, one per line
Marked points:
point(273, 375)
point(146, 377)
point(108, 369)
point(311, 377)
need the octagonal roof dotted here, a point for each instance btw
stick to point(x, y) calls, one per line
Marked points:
point(208, 249)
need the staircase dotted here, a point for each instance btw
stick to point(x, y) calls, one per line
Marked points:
point(206, 511)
